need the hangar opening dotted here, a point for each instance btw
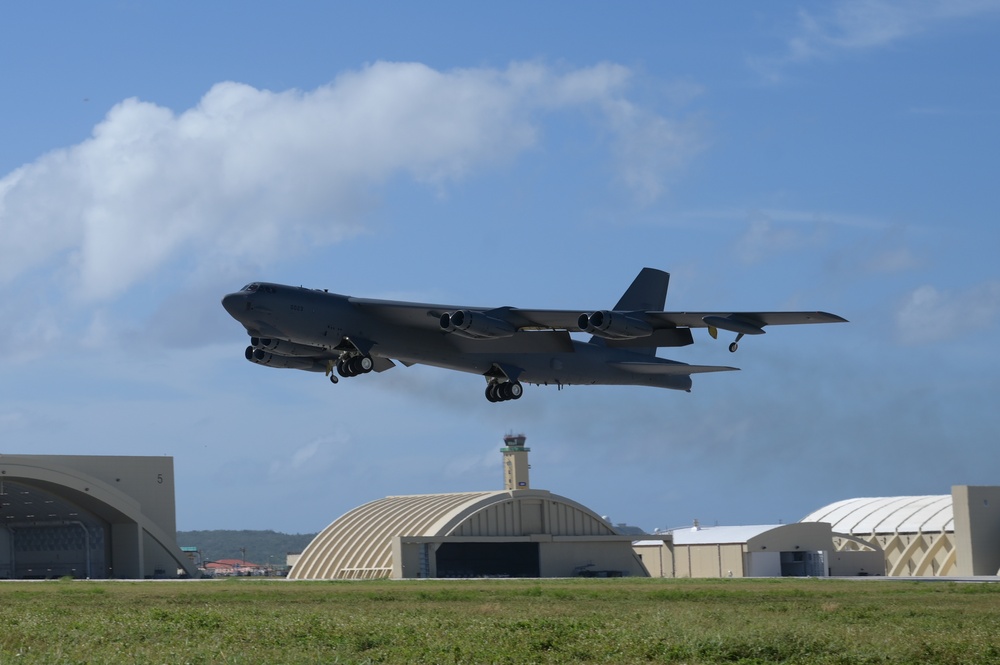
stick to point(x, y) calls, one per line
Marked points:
point(88, 516)
point(488, 560)
point(44, 536)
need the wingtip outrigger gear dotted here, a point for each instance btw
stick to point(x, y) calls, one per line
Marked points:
point(741, 325)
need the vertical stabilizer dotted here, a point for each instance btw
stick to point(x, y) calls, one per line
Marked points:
point(648, 293)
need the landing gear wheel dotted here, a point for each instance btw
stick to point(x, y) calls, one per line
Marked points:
point(333, 378)
point(733, 347)
point(502, 392)
point(365, 364)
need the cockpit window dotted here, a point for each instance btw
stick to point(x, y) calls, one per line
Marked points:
point(257, 286)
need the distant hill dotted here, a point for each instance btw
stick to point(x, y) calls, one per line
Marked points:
point(261, 547)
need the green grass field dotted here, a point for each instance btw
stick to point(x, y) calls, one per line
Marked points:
point(243, 620)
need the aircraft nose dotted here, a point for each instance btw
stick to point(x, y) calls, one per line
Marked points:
point(234, 304)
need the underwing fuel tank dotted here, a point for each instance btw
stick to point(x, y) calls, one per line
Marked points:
point(262, 357)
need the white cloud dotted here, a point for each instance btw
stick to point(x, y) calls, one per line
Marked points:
point(777, 232)
point(314, 458)
point(927, 314)
point(650, 146)
point(859, 25)
point(225, 181)
point(896, 260)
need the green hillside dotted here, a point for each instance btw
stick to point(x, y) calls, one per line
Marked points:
point(261, 547)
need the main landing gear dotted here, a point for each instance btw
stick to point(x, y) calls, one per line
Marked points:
point(501, 392)
point(348, 366)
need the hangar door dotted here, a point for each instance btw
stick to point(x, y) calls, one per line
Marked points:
point(44, 535)
point(488, 560)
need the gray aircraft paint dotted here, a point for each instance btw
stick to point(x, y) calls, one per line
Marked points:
point(314, 330)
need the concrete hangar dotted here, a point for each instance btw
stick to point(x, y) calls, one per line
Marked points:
point(515, 532)
point(88, 516)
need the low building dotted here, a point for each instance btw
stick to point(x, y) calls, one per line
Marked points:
point(235, 568)
point(777, 550)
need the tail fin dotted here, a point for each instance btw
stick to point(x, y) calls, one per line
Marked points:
point(648, 292)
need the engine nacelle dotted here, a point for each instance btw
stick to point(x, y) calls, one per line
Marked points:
point(614, 325)
point(262, 357)
point(476, 325)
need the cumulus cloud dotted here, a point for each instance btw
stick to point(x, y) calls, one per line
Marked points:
point(928, 315)
point(247, 173)
point(858, 25)
point(776, 232)
point(313, 458)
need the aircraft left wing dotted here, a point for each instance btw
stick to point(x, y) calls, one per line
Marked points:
point(527, 319)
point(757, 319)
point(482, 322)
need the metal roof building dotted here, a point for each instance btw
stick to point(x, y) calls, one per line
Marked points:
point(770, 550)
point(905, 514)
point(516, 532)
point(931, 535)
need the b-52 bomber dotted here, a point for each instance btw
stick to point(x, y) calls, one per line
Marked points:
point(318, 331)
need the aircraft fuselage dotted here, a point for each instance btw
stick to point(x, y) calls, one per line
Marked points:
point(335, 323)
point(314, 330)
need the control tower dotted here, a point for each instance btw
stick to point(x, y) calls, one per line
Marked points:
point(515, 462)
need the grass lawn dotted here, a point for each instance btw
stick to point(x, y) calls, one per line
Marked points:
point(246, 620)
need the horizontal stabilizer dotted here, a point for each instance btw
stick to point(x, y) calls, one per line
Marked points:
point(671, 368)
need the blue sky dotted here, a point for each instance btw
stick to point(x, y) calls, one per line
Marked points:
point(839, 156)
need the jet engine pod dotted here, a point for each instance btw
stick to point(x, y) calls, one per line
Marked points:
point(477, 325)
point(614, 325)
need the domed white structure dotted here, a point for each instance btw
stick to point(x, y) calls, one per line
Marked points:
point(922, 536)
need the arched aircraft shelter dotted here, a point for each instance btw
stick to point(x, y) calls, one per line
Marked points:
point(509, 533)
point(88, 516)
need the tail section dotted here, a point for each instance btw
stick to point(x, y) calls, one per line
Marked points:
point(648, 293)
